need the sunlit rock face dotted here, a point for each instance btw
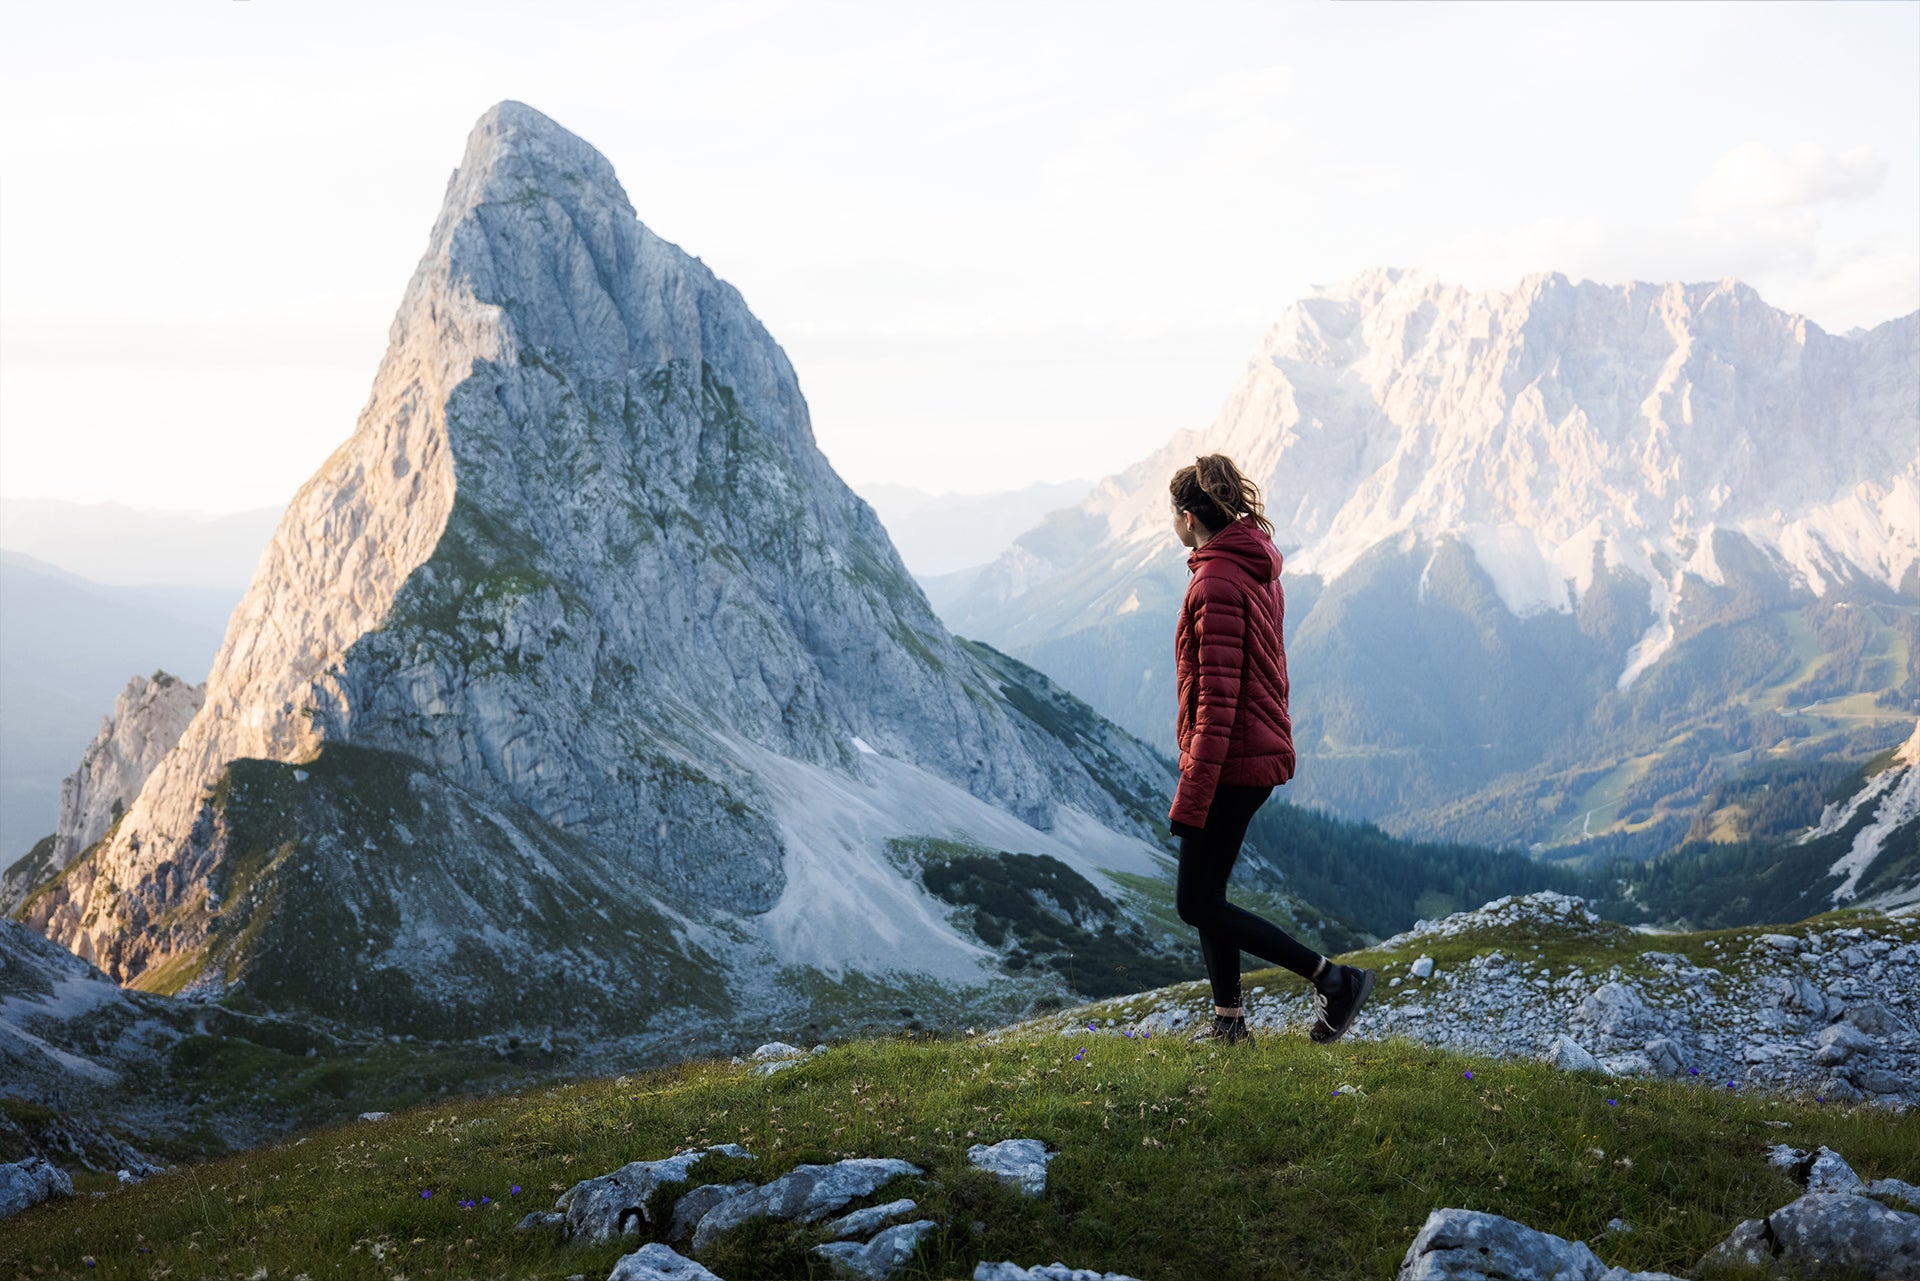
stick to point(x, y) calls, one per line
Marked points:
point(581, 563)
point(148, 718)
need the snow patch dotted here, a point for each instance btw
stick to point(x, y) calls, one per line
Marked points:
point(1901, 806)
point(848, 906)
point(1528, 580)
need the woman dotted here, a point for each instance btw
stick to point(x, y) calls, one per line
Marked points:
point(1236, 741)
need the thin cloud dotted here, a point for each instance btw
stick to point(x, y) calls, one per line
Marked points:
point(1756, 176)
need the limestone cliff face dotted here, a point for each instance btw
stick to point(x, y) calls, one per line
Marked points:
point(581, 557)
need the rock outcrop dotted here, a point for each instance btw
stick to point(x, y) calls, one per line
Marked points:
point(1454, 1245)
point(148, 718)
point(579, 640)
point(29, 1182)
point(1827, 1010)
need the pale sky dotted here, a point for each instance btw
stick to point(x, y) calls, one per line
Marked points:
point(1000, 243)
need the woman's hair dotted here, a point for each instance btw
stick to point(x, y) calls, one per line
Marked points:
point(1217, 494)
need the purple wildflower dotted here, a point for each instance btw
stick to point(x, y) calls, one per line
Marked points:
point(1467, 1075)
point(426, 1194)
point(1334, 1095)
point(1613, 1103)
point(486, 1200)
point(1091, 1027)
point(1693, 1071)
point(516, 1189)
point(1081, 1055)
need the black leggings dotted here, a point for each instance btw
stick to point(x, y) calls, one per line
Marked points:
point(1206, 861)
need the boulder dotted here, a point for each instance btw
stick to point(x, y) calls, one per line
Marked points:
point(777, 1050)
point(1841, 1041)
point(1454, 1245)
point(1010, 1271)
point(1795, 996)
point(806, 1194)
point(1164, 1021)
point(1831, 1174)
point(1782, 943)
point(1824, 1235)
point(1882, 1081)
point(861, 1222)
point(1616, 1012)
point(879, 1258)
point(615, 1205)
point(1568, 1055)
point(1422, 968)
point(1783, 1156)
point(29, 1182)
point(693, 1207)
point(1895, 1190)
point(1020, 1162)
point(656, 1262)
point(1665, 1056)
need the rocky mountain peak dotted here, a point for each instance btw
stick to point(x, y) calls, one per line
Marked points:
point(581, 557)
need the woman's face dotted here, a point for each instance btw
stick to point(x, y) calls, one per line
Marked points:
point(1185, 528)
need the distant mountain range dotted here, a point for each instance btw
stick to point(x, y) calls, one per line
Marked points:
point(113, 544)
point(1558, 559)
point(938, 533)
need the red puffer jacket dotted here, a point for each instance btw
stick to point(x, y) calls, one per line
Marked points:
point(1233, 726)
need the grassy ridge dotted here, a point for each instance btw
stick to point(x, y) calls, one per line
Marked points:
point(1176, 1161)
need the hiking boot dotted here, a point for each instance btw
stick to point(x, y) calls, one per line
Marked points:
point(1337, 999)
point(1231, 1030)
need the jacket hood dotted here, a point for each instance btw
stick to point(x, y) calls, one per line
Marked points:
point(1244, 543)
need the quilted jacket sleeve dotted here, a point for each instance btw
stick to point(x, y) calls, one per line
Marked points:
point(1220, 629)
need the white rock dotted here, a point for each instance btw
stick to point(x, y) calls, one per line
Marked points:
point(1875, 1019)
point(1020, 1162)
point(1567, 1054)
point(1895, 1190)
point(657, 1262)
point(1665, 1056)
point(1831, 1175)
point(1782, 1156)
point(879, 1258)
point(777, 1050)
point(29, 1182)
point(1422, 968)
point(1616, 1011)
point(1836, 1235)
point(1838, 1042)
point(861, 1222)
point(1454, 1245)
point(694, 1204)
point(806, 1194)
point(1011, 1271)
point(615, 1205)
